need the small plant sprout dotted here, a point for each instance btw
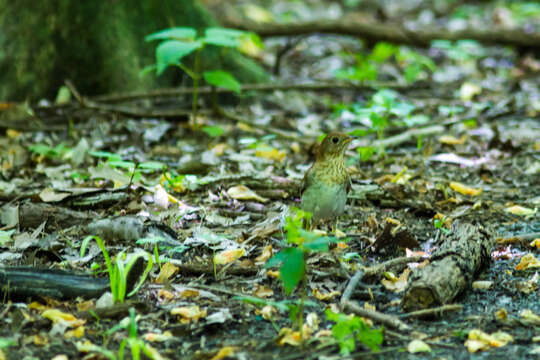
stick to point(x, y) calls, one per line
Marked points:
point(177, 43)
point(292, 260)
point(350, 328)
point(119, 271)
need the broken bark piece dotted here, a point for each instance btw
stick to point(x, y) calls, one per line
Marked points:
point(464, 253)
point(24, 282)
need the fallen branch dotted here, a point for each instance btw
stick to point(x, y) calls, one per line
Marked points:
point(391, 32)
point(464, 253)
point(388, 320)
point(436, 311)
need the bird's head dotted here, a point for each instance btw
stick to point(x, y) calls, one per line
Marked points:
point(333, 146)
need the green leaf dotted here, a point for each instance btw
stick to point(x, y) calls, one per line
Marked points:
point(414, 120)
point(178, 33)
point(412, 71)
point(319, 244)
point(292, 269)
point(5, 236)
point(105, 155)
point(365, 152)
point(152, 165)
point(170, 52)
point(371, 338)
point(122, 164)
point(213, 131)
point(222, 79)
point(382, 51)
point(223, 36)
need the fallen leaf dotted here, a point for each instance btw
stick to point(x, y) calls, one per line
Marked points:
point(263, 291)
point(167, 271)
point(228, 256)
point(57, 316)
point(520, 210)
point(397, 284)
point(469, 90)
point(187, 314)
point(527, 261)
point(464, 189)
point(417, 346)
point(325, 296)
point(531, 318)
point(288, 337)
point(272, 154)
point(242, 192)
point(267, 312)
point(224, 352)
point(482, 284)
point(265, 255)
point(452, 140)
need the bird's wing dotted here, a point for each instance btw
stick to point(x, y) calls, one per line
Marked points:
point(306, 181)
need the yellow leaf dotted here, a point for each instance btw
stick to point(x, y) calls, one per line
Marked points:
point(288, 336)
point(187, 314)
point(75, 333)
point(527, 261)
point(468, 91)
point(263, 291)
point(272, 154)
point(224, 352)
point(265, 255)
point(57, 316)
point(267, 312)
point(167, 271)
point(257, 13)
point(245, 127)
point(535, 243)
point(417, 346)
point(452, 140)
point(501, 314)
point(242, 192)
point(465, 190)
point(228, 256)
point(325, 296)
point(530, 317)
point(520, 210)
point(153, 337)
point(219, 149)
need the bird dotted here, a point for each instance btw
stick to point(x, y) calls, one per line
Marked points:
point(327, 182)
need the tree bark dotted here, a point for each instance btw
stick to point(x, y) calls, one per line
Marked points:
point(373, 31)
point(464, 253)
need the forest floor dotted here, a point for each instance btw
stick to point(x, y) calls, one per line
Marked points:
point(208, 200)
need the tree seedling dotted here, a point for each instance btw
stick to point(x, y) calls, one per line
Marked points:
point(292, 259)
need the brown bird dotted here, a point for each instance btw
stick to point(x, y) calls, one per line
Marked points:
point(327, 182)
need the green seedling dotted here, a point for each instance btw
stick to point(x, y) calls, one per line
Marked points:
point(365, 68)
point(439, 224)
point(118, 272)
point(292, 259)
point(350, 328)
point(49, 152)
point(177, 43)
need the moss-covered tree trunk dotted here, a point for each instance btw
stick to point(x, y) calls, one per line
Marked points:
point(98, 44)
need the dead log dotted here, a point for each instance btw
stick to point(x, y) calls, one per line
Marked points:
point(27, 282)
point(373, 31)
point(463, 255)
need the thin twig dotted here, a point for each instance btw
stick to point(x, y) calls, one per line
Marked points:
point(379, 268)
point(388, 320)
point(436, 311)
point(350, 287)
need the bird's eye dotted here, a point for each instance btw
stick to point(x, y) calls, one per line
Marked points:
point(335, 140)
